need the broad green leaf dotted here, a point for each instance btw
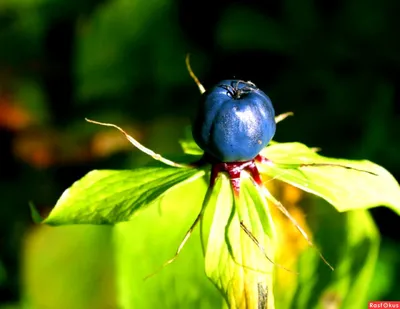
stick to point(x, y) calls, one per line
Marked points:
point(68, 267)
point(345, 189)
point(149, 240)
point(350, 242)
point(108, 196)
point(387, 272)
point(234, 263)
point(190, 147)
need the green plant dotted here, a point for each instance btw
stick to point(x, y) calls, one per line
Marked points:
point(241, 236)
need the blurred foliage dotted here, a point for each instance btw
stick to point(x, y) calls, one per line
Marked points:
point(350, 241)
point(77, 271)
point(335, 64)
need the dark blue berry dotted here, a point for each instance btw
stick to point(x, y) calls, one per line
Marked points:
point(234, 122)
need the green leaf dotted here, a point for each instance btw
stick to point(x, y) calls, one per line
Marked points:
point(345, 189)
point(190, 147)
point(68, 267)
point(234, 263)
point(188, 144)
point(350, 242)
point(108, 197)
point(386, 277)
point(36, 217)
point(149, 240)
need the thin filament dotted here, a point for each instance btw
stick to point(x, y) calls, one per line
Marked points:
point(283, 116)
point(193, 76)
point(279, 205)
point(142, 148)
point(189, 233)
point(182, 244)
point(261, 247)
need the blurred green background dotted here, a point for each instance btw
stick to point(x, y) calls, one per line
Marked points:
point(335, 64)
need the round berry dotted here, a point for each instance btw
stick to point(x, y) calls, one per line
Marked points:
point(234, 122)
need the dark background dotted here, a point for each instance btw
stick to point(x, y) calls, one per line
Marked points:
point(335, 64)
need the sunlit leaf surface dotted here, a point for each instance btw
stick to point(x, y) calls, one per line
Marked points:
point(68, 267)
point(109, 196)
point(235, 264)
point(149, 240)
point(344, 188)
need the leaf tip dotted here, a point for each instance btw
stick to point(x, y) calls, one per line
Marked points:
point(36, 217)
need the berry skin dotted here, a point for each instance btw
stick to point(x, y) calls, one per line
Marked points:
point(234, 122)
